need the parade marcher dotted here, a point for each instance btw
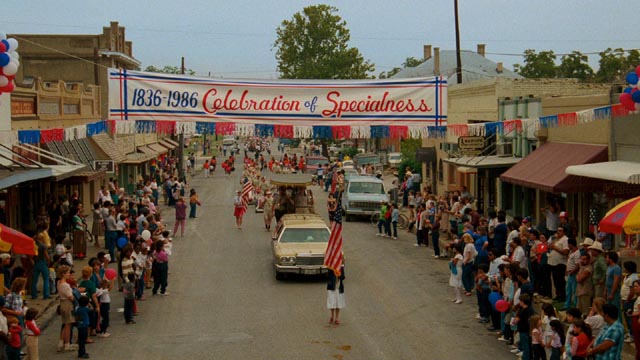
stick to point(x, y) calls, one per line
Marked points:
point(335, 295)
point(239, 209)
point(268, 208)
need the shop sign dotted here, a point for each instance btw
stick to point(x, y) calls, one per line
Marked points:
point(619, 190)
point(49, 108)
point(71, 109)
point(23, 107)
point(104, 165)
point(470, 145)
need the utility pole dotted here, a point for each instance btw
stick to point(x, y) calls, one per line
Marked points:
point(181, 139)
point(458, 60)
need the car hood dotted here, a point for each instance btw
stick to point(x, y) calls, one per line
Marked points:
point(368, 197)
point(291, 249)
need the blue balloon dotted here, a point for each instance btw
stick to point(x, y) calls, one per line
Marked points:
point(122, 242)
point(632, 78)
point(494, 297)
point(636, 96)
point(4, 59)
point(627, 90)
point(6, 44)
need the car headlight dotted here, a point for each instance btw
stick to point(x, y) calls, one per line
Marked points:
point(352, 204)
point(287, 260)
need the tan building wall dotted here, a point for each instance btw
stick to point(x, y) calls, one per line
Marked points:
point(78, 58)
point(479, 100)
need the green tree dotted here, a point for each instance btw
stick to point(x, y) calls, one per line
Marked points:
point(168, 69)
point(409, 148)
point(575, 65)
point(314, 44)
point(409, 62)
point(611, 65)
point(537, 65)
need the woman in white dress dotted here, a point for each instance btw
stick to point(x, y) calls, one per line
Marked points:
point(335, 295)
point(455, 280)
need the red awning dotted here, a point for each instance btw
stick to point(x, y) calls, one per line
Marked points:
point(544, 168)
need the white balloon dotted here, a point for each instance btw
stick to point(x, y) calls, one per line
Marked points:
point(13, 44)
point(17, 62)
point(3, 36)
point(10, 69)
point(13, 55)
point(146, 235)
point(3, 81)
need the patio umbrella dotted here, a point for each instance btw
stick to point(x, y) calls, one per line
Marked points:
point(623, 217)
point(21, 243)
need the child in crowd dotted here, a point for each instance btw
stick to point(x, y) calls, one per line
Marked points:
point(105, 305)
point(128, 290)
point(32, 333)
point(573, 314)
point(557, 340)
point(549, 314)
point(139, 259)
point(483, 288)
point(455, 279)
point(82, 323)
point(13, 348)
point(525, 311)
point(580, 340)
point(537, 338)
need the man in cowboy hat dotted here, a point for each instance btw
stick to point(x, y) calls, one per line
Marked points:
point(599, 268)
point(584, 246)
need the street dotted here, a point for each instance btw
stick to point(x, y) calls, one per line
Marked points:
point(225, 302)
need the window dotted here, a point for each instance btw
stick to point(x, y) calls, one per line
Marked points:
point(440, 172)
point(304, 235)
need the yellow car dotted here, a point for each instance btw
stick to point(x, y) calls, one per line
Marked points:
point(299, 244)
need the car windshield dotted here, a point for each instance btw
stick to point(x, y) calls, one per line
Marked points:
point(317, 161)
point(293, 235)
point(369, 160)
point(395, 157)
point(366, 188)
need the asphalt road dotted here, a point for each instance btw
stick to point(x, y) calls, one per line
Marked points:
point(226, 304)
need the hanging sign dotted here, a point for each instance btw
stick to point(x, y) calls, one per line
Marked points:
point(137, 95)
point(470, 145)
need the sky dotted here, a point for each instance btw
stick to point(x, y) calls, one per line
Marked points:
point(234, 38)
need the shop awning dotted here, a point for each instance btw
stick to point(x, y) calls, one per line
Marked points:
point(172, 142)
point(105, 143)
point(148, 151)
point(167, 144)
point(467, 170)
point(9, 178)
point(60, 166)
point(544, 168)
point(137, 158)
point(158, 148)
point(491, 161)
point(621, 171)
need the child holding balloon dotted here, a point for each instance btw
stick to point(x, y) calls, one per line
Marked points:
point(105, 306)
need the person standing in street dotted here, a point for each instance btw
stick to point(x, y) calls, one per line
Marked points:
point(268, 209)
point(239, 209)
point(193, 203)
point(181, 216)
point(335, 295)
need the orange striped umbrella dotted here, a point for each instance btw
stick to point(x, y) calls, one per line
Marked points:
point(624, 217)
point(21, 243)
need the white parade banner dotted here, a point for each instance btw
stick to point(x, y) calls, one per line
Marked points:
point(135, 95)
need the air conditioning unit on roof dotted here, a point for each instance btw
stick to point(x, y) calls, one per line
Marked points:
point(504, 149)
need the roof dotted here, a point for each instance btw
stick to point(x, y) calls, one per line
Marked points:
point(364, 178)
point(474, 67)
point(137, 158)
point(489, 161)
point(109, 147)
point(9, 178)
point(544, 168)
point(166, 144)
point(291, 179)
point(622, 171)
point(308, 220)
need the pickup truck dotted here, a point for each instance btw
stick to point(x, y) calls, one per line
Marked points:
point(369, 159)
point(362, 196)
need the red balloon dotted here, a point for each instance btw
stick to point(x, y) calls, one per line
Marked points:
point(502, 305)
point(633, 89)
point(638, 70)
point(110, 274)
point(3, 48)
point(9, 88)
point(626, 98)
point(630, 107)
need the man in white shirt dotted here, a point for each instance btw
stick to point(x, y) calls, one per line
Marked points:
point(495, 262)
point(558, 262)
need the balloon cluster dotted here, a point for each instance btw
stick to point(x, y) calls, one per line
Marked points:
point(630, 97)
point(9, 62)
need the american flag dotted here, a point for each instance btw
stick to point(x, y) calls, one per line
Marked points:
point(247, 188)
point(333, 256)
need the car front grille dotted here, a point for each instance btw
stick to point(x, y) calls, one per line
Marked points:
point(366, 205)
point(310, 260)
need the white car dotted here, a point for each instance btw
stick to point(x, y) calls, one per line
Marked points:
point(394, 159)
